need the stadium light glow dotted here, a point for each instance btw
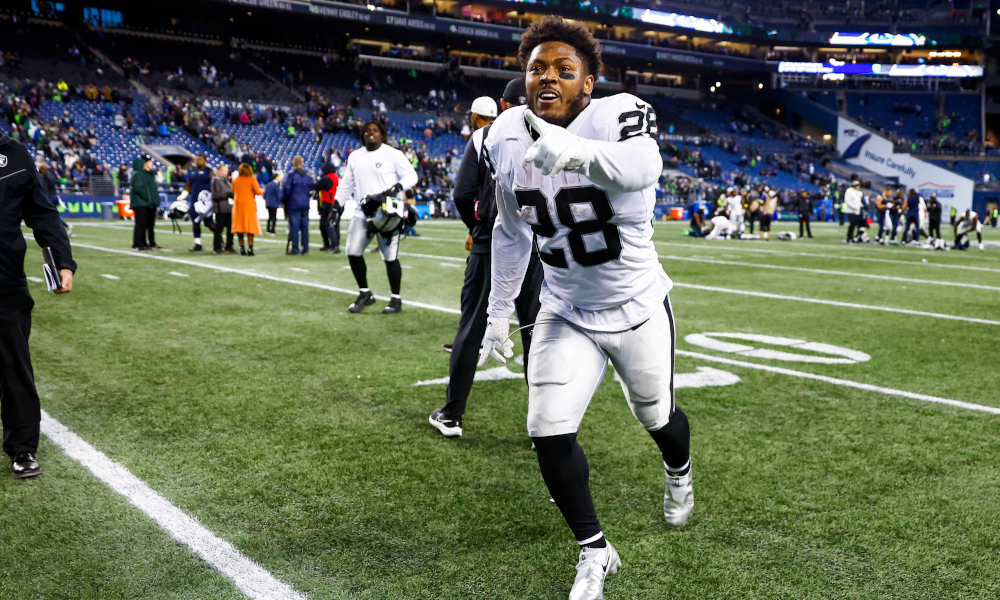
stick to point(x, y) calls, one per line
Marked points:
point(878, 39)
point(881, 69)
point(669, 19)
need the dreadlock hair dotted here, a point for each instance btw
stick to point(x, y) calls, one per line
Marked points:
point(556, 29)
point(381, 128)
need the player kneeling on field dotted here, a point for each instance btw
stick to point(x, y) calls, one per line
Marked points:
point(577, 176)
point(375, 176)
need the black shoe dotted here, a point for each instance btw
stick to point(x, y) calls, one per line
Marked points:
point(217, 252)
point(154, 247)
point(447, 348)
point(292, 253)
point(395, 306)
point(243, 251)
point(229, 251)
point(364, 299)
point(250, 251)
point(324, 248)
point(334, 250)
point(196, 248)
point(447, 427)
point(24, 465)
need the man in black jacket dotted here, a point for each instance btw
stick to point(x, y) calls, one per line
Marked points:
point(476, 203)
point(23, 196)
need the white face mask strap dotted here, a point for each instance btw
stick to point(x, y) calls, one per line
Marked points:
point(516, 330)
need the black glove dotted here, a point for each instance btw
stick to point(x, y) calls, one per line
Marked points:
point(371, 204)
point(411, 216)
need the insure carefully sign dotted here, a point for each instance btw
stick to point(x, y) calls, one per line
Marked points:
point(823, 353)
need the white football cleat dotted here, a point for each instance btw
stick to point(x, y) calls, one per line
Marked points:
point(592, 569)
point(678, 498)
point(981, 246)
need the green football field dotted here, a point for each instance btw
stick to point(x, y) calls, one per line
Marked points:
point(844, 403)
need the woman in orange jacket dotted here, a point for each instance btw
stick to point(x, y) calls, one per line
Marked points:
point(245, 192)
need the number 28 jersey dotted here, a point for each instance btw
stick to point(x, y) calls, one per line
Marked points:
point(593, 237)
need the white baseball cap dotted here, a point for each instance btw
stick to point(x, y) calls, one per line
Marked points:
point(484, 106)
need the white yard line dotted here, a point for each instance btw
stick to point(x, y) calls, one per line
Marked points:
point(175, 273)
point(912, 263)
point(107, 276)
point(750, 265)
point(251, 579)
point(901, 311)
point(800, 374)
point(841, 382)
point(320, 286)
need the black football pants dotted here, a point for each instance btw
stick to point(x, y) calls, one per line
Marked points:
point(143, 234)
point(472, 326)
point(20, 410)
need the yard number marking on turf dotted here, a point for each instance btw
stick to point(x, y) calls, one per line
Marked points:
point(840, 356)
point(176, 274)
point(789, 372)
point(298, 270)
point(34, 279)
point(251, 579)
point(107, 276)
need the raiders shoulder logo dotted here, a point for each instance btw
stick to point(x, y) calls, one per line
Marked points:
point(3, 161)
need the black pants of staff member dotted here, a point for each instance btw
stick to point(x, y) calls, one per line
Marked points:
point(804, 224)
point(472, 326)
point(272, 218)
point(223, 221)
point(935, 228)
point(329, 225)
point(853, 227)
point(20, 410)
point(143, 234)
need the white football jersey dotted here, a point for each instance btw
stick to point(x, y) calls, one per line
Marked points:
point(368, 173)
point(595, 241)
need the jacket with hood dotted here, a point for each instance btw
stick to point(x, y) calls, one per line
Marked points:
point(272, 194)
point(327, 195)
point(23, 196)
point(143, 193)
point(295, 192)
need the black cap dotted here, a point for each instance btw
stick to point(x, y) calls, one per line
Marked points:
point(515, 93)
point(146, 158)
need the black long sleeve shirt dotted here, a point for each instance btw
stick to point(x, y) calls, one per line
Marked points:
point(23, 197)
point(473, 184)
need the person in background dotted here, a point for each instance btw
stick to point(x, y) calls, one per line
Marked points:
point(222, 206)
point(144, 197)
point(22, 196)
point(329, 211)
point(911, 205)
point(853, 201)
point(895, 210)
point(272, 200)
point(968, 221)
point(934, 218)
point(697, 223)
point(245, 192)
point(295, 199)
point(804, 205)
point(882, 203)
point(767, 213)
point(198, 181)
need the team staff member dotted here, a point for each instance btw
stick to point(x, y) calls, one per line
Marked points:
point(912, 207)
point(272, 200)
point(852, 207)
point(22, 196)
point(934, 217)
point(144, 198)
point(222, 206)
point(805, 208)
point(329, 211)
point(475, 199)
point(374, 173)
point(767, 213)
point(199, 180)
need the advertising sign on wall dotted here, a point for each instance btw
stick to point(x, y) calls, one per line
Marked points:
point(861, 147)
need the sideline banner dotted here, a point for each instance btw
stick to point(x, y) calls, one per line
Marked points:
point(861, 147)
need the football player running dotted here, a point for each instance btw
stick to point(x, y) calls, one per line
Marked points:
point(373, 175)
point(577, 175)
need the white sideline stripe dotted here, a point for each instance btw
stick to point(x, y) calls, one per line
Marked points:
point(251, 579)
point(448, 264)
point(107, 276)
point(34, 279)
point(913, 263)
point(825, 272)
point(320, 286)
point(841, 382)
point(297, 270)
point(903, 311)
point(174, 273)
point(801, 374)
